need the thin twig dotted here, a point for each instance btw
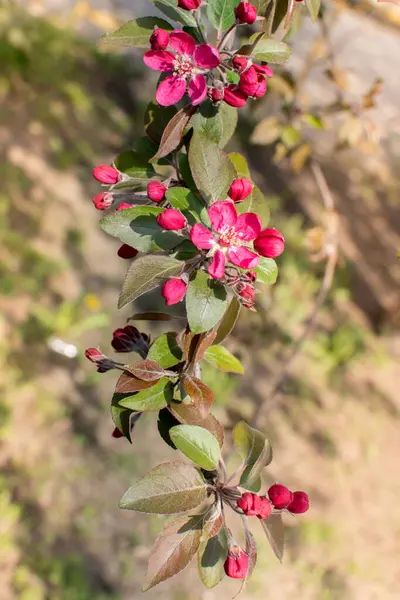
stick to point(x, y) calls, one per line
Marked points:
point(331, 250)
point(225, 37)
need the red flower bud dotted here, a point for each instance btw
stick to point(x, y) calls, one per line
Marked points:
point(280, 496)
point(234, 96)
point(125, 339)
point(117, 434)
point(246, 12)
point(237, 563)
point(102, 201)
point(156, 191)
point(103, 363)
point(265, 509)
point(270, 243)
point(124, 205)
point(189, 4)
point(250, 504)
point(252, 83)
point(216, 95)
point(106, 174)
point(171, 219)
point(264, 70)
point(248, 293)
point(173, 290)
point(252, 276)
point(300, 503)
point(159, 39)
point(240, 62)
point(240, 189)
point(127, 252)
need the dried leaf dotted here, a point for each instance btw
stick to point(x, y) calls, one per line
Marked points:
point(172, 136)
point(127, 384)
point(201, 395)
point(274, 529)
point(147, 370)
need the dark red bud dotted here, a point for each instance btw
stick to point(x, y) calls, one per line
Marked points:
point(117, 434)
point(280, 496)
point(127, 252)
point(246, 12)
point(156, 191)
point(240, 189)
point(216, 95)
point(171, 219)
point(159, 39)
point(106, 174)
point(125, 339)
point(300, 503)
point(248, 293)
point(253, 83)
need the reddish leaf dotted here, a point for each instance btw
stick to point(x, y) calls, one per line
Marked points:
point(147, 370)
point(151, 316)
point(204, 342)
point(172, 136)
point(202, 396)
point(188, 413)
point(251, 551)
point(174, 549)
point(127, 384)
point(213, 521)
point(274, 529)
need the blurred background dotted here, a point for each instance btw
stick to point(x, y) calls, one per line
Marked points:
point(68, 104)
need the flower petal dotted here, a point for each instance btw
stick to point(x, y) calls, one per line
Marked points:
point(217, 267)
point(159, 60)
point(182, 42)
point(171, 90)
point(243, 257)
point(249, 226)
point(206, 56)
point(197, 89)
point(222, 213)
point(201, 237)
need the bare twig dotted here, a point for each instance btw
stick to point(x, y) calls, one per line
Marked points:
point(331, 252)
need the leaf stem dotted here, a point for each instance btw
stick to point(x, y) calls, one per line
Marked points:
point(225, 36)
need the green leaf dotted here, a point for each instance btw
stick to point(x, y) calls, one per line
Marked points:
point(206, 302)
point(135, 33)
point(170, 9)
point(165, 350)
point(267, 271)
point(275, 532)
point(186, 201)
point(167, 489)
point(122, 419)
point(146, 273)
point(257, 203)
point(174, 549)
point(173, 132)
point(240, 164)
point(165, 422)
point(275, 13)
point(222, 359)
point(154, 398)
point(218, 123)
point(211, 168)
point(228, 321)
point(134, 165)
point(198, 444)
point(156, 118)
point(255, 450)
point(270, 50)
point(134, 226)
point(188, 414)
point(211, 558)
point(186, 172)
point(313, 8)
point(221, 14)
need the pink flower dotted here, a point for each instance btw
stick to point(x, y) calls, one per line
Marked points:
point(253, 83)
point(103, 201)
point(234, 96)
point(187, 65)
point(240, 189)
point(270, 243)
point(246, 12)
point(228, 239)
point(159, 39)
point(156, 191)
point(171, 219)
point(106, 174)
point(173, 291)
point(240, 62)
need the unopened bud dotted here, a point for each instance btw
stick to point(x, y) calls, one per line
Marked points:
point(106, 174)
point(171, 219)
point(246, 12)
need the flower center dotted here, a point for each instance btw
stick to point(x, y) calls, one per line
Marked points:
point(183, 66)
point(228, 236)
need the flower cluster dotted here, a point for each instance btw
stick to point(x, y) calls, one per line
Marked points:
point(279, 498)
